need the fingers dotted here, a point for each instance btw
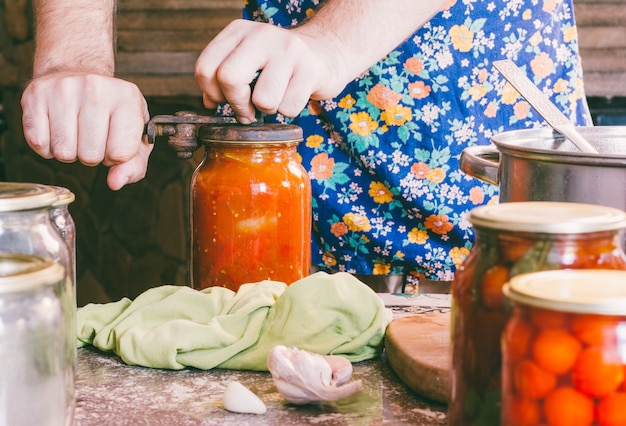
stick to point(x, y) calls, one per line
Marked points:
point(132, 170)
point(88, 118)
point(229, 63)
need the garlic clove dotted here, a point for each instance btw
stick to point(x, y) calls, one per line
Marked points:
point(239, 399)
point(303, 377)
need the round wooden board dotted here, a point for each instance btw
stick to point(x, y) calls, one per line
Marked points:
point(418, 350)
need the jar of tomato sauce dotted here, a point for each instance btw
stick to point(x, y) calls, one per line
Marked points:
point(564, 349)
point(512, 239)
point(250, 207)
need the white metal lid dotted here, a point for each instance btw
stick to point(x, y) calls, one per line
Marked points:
point(596, 291)
point(17, 196)
point(20, 272)
point(548, 217)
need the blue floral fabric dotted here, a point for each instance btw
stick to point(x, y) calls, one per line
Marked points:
point(383, 156)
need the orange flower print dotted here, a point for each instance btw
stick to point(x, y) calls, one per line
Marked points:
point(357, 222)
point(381, 269)
point(397, 115)
point(436, 175)
point(549, 5)
point(570, 34)
point(561, 85)
point(414, 65)
point(477, 91)
point(420, 170)
point(419, 90)
point(509, 94)
point(535, 39)
point(382, 97)
point(322, 166)
point(399, 255)
point(347, 102)
point(438, 223)
point(521, 110)
point(462, 38)
point(314, 107)
point(542, 65)
point(458, 255)
point(380, 193)
point(418, 236)
point(329, 259)
point(476, 195)
point(482, 75)
point(527, 14)
point(491, 110)
point(362, 123)
point(338, 229)
point(314, 141)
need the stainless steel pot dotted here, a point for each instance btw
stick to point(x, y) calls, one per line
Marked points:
point(540, 165)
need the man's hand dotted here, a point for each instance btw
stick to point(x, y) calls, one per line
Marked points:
point(293, 68)
point(90, 118)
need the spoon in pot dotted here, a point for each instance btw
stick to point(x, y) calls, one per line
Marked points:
point(542, 104)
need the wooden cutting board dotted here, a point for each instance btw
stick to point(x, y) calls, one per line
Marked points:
point(417, 349)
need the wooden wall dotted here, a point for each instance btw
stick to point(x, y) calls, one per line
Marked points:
point(602, 38)
point(159, 41)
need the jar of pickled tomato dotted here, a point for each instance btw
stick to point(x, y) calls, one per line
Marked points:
point(564, 349)
point(250, 207)
point(512, 239)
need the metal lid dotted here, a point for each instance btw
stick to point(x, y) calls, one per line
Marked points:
point(20, 272)
point(548, 217)
point(262, 133)
point(17, 196)
point(594, 291)
point(64, 196)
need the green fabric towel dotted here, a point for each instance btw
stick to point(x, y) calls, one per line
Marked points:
point(174, 327)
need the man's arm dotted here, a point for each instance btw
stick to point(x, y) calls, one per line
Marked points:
point(74, 36)
point(74, 109)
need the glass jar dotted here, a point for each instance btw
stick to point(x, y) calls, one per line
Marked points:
point(26, 228)
point(564, 349)
point(37, 380)
point(250, 207)
point(511, 239)
point(64, 224)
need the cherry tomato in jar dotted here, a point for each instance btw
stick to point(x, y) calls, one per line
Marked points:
point(514, 239)
point(578, 354)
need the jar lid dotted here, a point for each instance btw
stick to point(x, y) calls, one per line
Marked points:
point(17, 196)
point(548, 217)
point(64, 196)
point(261, 133)
point(595, 291)
point(19, 272)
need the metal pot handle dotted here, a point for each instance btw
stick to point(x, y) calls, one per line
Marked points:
point(481, 162)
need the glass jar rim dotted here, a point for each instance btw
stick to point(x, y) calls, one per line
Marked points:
point(20, 196)
point(19, 272)
point(549, 217)
point(589, 291)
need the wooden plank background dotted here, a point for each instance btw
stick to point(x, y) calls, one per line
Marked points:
point(159, 40)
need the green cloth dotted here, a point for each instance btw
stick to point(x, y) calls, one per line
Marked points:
point(174, 327)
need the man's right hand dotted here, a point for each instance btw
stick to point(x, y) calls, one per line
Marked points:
point(90, 118)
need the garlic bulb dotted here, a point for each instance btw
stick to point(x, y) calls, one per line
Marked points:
point(302, 377)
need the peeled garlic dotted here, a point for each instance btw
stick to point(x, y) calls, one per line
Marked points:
point(239, 399)
point(302, 377)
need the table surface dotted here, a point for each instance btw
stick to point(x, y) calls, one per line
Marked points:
point(109, 392)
